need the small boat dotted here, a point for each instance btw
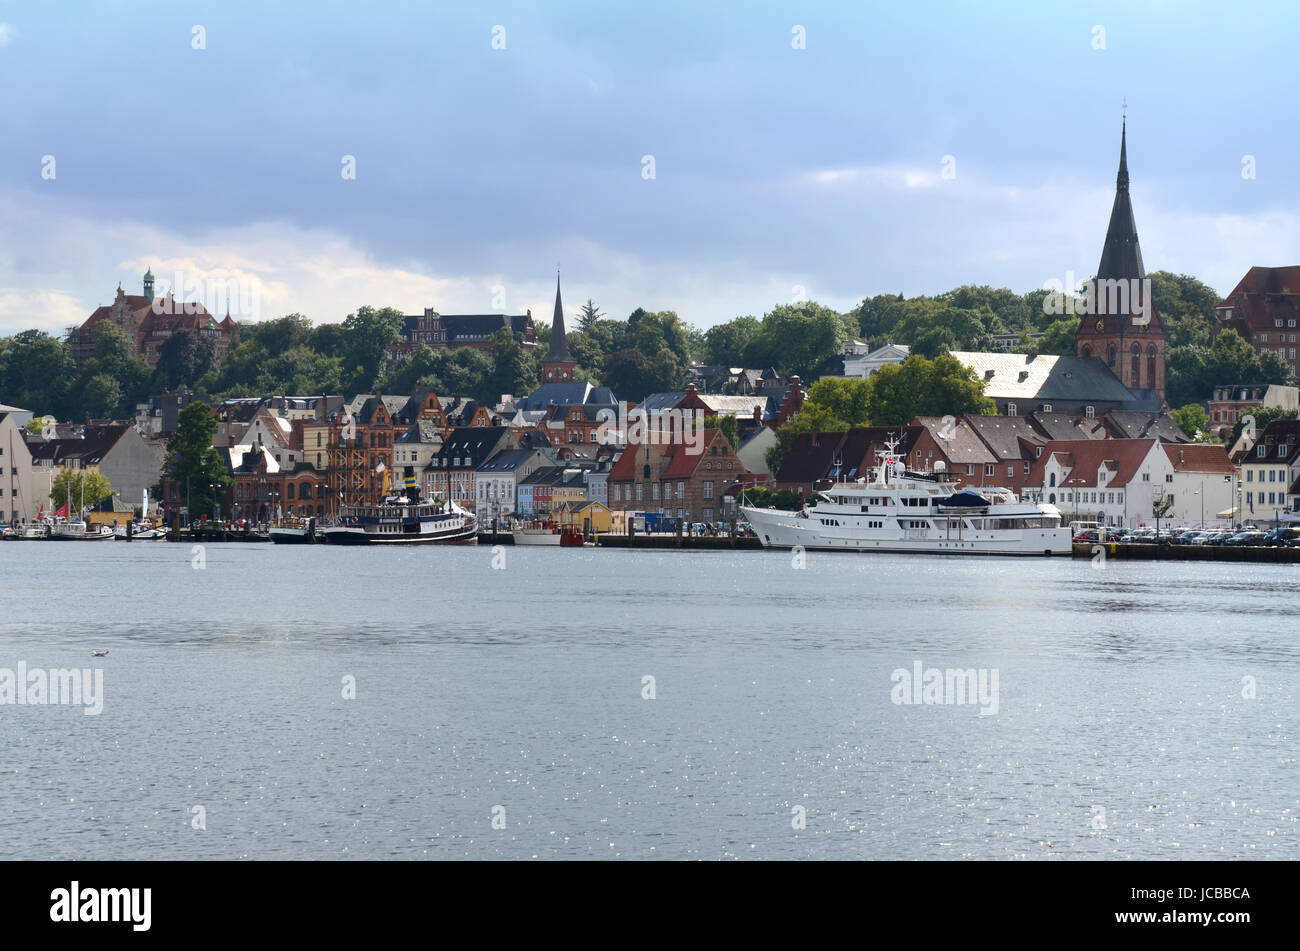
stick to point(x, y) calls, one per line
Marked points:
point(31, 532)
point(76, 530)
point(294, 531)
point(537, 533)
point(142, 531)
point(572, 538)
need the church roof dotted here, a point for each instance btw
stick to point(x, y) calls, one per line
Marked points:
point(1121, 255)
point(559, 352)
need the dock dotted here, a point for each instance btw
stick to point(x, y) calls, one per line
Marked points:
point(1248, 553)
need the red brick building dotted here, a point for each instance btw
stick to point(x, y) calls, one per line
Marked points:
point(151, 323)
point(654, 477)
point(1264, 308)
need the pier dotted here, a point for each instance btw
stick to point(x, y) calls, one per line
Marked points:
point(1243, 553)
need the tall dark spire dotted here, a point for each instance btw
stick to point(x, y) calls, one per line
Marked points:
point(559, 352)
point(1121, 256)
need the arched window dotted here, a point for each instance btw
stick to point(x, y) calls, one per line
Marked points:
point(1087, 351)
point(1111, 356)
point(1051, 480)
point(1151, 365)
point(1137, 365)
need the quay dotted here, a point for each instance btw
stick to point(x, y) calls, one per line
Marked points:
point(1245, 553)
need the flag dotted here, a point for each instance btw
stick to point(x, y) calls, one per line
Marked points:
point(61, 511)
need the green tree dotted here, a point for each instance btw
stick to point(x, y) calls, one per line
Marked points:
point(725, 344)
point(514, 369)
point(67, 485)
point(588, 314)
point(798, 338)
point(365, 334)
point(192, 461)
point(1186, 308)
point(1191, 419)
point(1263, 415)
point(922, 387)
point(36, 371)
point(811, 418)
point(729, 428)
point(101, 397)
point(846, 399)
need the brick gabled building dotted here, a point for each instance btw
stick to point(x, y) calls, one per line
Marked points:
point(654, 477)
point(1264, 308)
point(453, 331)
point(151, 323)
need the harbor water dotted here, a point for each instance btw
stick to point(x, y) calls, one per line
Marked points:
point(264, 702)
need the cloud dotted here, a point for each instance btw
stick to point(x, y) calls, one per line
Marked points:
point(6, 34)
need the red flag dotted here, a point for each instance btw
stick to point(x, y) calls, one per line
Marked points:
point(62, 511)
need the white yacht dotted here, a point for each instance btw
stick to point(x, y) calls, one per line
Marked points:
point(903, 511)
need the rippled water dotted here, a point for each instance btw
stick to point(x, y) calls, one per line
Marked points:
point(1121, 728)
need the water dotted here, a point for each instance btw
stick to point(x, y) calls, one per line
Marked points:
point(1121, 728)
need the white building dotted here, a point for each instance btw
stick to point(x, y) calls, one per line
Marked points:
point(1117, 481)
point(860, 364)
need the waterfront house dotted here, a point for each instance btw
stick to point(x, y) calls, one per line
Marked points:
point(17, 502)
point(496, 480)
point(1269, 484)
point(668, 477)
point(115, 450)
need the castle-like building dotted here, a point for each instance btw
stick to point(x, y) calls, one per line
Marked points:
point(151, 323)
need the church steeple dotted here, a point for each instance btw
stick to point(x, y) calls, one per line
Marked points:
point(1121, 255)
point(558, 366)
point(1121, 326)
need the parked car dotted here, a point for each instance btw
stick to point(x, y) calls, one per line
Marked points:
point(1088, 537)
point(1282, 537)
point(1242, 539)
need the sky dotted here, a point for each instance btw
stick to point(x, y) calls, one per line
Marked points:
point(714, 159)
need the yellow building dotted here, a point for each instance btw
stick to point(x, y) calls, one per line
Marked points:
point(586, 517)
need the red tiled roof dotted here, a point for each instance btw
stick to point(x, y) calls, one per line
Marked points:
point(1199, 457)
point(1085, 456)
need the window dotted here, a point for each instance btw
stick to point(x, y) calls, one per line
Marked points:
point(638, 491)
point(970, 468)
point(708, 515)
point(1011, 409)
point(1047, 407)
point(708, 490)
point(1146, 477)
point(654, 490)
point(1090, 411)
point(1250, 475)
point(1169, 477)
point(1051, 479)
point(681, 490)
point(1263, 338)
point(1011, 472)
point(1026, 468)
point(988, 469)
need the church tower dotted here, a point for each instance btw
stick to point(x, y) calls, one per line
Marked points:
point(557, 365)
point(1120, 325)
point(148, 284)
